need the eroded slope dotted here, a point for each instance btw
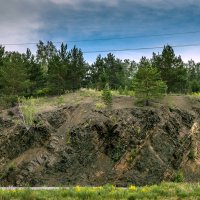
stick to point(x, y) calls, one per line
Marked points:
point(80, 145)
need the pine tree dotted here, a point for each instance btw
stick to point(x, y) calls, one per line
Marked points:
point(148, 85)
point(172, 69)
point(13, 75)
point(36, 74)
point(58, 71)
point(77, 68)
point(107, 95)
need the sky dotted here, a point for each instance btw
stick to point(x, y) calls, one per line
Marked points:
point(98, 25)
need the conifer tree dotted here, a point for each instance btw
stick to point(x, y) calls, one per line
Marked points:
point(148, 85)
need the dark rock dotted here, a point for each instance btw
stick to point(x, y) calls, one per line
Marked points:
point(127, 146)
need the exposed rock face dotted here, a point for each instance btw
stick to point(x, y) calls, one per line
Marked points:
point(81, 145)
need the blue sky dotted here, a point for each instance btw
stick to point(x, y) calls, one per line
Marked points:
point(66, 20)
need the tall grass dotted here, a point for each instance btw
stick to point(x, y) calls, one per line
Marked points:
point(28, 111)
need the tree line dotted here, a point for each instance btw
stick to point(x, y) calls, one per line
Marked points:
point(53, 71)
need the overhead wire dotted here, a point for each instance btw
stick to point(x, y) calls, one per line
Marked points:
point(106, 39)
point(142, 48)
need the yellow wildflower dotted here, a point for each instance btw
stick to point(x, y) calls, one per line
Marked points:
point(78, 188)
point(132, 188)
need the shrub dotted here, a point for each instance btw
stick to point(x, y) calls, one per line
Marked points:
point(148, 85)
point(8, 100)
point(179, 177)
point(107, 95)
point(41, 92)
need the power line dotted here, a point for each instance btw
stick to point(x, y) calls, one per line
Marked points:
point(142, 48)
point(106, 39)
point(136, 36)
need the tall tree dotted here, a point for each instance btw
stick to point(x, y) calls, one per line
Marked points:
point(35, 73)
point(13, 75)
point(193, 76)
point(111, 70)
point(44, 54)
point(58, 71)
point(98, 77)
point(148, 84)
point(77, 68)
point(172, 69)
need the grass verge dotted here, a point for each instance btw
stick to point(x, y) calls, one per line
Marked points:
point(108, 192)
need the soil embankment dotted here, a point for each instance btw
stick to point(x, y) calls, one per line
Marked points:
point(83, 145)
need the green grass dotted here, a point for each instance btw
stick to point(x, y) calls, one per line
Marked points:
point(108, 192)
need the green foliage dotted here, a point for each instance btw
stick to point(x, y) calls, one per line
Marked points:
point(8, 100)
point(120, 89)
point(41, 92)
point(125, 91)
point(194, 86)
point(13, 75)
point(107, 95)
point(28, 111)
point(148, 85)
point(178, 177)
point(172, 70)
point(193, 73)
point(194, 97)
point(11, 167)
point(111, 70)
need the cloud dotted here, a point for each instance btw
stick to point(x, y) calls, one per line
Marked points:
point(81, 2)
point(63, 20)
point(19, 23)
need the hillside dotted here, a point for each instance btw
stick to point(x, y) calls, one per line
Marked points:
point(79, 142)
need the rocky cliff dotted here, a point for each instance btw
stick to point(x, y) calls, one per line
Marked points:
point(81, 145)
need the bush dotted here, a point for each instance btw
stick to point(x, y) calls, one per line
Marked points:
point(107, 95)
point(7, 101)
point(41, 92)
point(179, 177)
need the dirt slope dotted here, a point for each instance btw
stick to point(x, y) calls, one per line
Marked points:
point(83, 145)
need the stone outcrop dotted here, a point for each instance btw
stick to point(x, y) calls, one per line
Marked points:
point(79, 145)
